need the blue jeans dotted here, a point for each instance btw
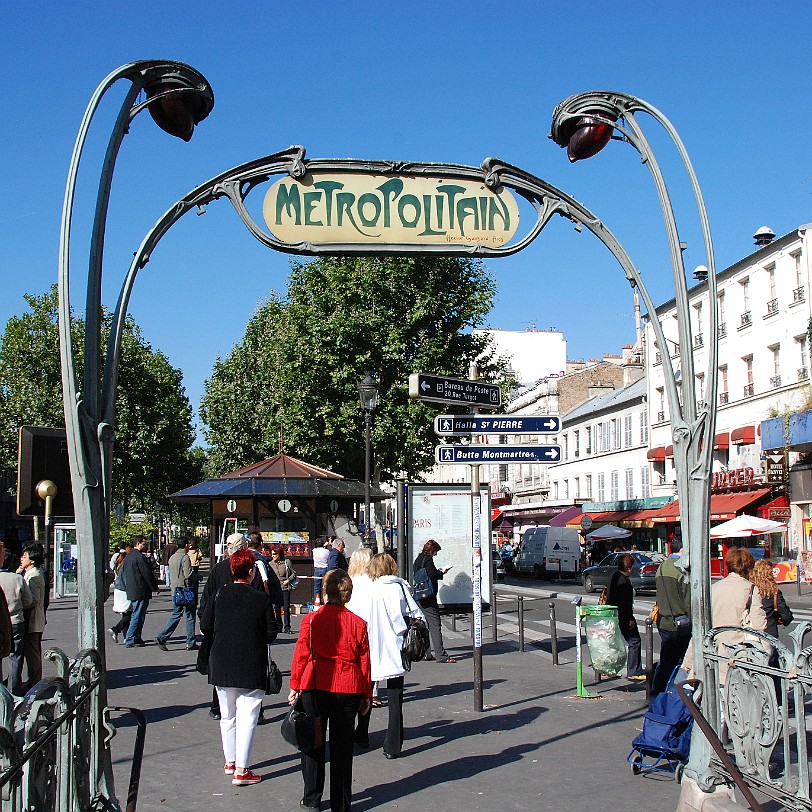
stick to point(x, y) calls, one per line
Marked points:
point(318, 575)
point(139, 610)
point(174, 619)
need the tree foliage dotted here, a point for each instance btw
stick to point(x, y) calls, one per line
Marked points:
point(302, 356)
point(154, 431)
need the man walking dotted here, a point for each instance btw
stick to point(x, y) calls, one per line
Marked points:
point(30, 564)
point(19, 599)
point(140, 582)
point(180, 574)
point(336, 559)
point(169, 549)
point(674, 621)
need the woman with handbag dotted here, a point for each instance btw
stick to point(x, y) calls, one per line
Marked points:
point(772, 600)
point(281, 565)
point(241, 623)
point(391, 603)
point(121, 603)
point(330, 680)
point(431, 610)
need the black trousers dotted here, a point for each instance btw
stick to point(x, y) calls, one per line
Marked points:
point(672, 653)
point(283, 619)
point(337, 713)
point(393, 742)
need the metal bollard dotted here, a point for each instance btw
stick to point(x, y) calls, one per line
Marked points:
point(649, 656)
point(521, 622)
point(493, 616)
point(553, 634)
point(454, 621)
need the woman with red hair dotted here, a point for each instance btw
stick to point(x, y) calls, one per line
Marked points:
point(242, 622)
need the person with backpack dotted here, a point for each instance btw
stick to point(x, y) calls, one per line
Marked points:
point(428, 602)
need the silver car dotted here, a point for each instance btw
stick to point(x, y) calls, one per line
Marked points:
point(642, 574)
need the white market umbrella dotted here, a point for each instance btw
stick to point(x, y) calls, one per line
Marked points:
point(743, 526)
point(608, 533)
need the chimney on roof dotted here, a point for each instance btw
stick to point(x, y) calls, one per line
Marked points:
point(701, 273)
point(764, 236)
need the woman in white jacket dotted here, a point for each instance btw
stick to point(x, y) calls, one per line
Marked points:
point(391, 600)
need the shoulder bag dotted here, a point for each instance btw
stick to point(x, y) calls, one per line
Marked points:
point(416, 640)
point(184, 595)
point(301, 727)
point(293, 578)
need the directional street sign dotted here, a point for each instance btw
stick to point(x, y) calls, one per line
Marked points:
point(462, 425)
point(474, 454)
point(454, 390)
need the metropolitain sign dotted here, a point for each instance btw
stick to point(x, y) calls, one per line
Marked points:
point(348, 207)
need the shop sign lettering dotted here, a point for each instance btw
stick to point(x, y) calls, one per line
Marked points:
point(349, 208)
point(722, 480)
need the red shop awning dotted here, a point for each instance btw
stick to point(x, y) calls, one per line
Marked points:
point(656, 454)
point(746, 435)
point(669, 451)
point(721, 440)
point(723, 506)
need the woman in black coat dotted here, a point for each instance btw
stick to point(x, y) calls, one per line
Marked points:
point(621, 594)
point(429, 605)
point(242, 621)
point(772, 601)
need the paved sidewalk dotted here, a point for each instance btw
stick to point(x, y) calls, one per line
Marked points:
point(534, 746)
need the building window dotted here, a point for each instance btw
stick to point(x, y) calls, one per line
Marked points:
point(565, 489)
point(601, 488)
point(630, 483)
point(775, 380)
point(588, 439)
point(700, 391)
point(613, 486)
point(645, 482)
point(660, 398)
point(616, 432)
point(555, 489)
point(564, 446)
point(698, 338)
point(605, 438)
point(644, 426)
point(588, 486)
point(576, 487)
point(799, 275)
point(747, 317)
point(723, 393)
point(803, 369)
point(720, 302)
point(748, 373)
point(503, 473)
point(576, 444)
point(627, 431)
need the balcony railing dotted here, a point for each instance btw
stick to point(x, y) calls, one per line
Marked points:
point(724, 397)
point(775, 381)
point(701, 404)
point(749, 390)
point(799, 295)
point(675, 351)
point(661, 417)
point(722, 329)
point(772, 308)
point(747, 319)
point(657, 358)
point(803, 374)
point(699, 340)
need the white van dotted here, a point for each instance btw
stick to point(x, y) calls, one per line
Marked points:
point(549, 550)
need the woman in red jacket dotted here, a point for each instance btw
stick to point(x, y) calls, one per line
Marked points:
point(331, 671)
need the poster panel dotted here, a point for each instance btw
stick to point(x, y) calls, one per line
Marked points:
point(443, 513)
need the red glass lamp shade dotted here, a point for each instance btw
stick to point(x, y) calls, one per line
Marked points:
point(589, 137)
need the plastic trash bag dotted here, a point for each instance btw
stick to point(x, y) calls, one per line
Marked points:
point(607, 648)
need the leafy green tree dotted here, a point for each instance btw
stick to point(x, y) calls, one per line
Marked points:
point(302, 356)
point(154, 433)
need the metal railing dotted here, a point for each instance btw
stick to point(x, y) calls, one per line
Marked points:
point(764, 710)
point(803, 374)
point(747, 319)
point(749, 390)
point(722, 330)
point(49, 742)
point(775, 381)
point(799, 295)
point(724, 397)
point(699, 340)
point(772, 308)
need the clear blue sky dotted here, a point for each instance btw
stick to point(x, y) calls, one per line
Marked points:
point(426, 81)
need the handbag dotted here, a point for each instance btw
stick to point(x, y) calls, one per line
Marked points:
point(603, 597)
point(301, 726)
point(202, 663)
point(121, 603)
point(184, 596)
point(273, 680)
point(422, 587)
point(416, 640)
point(293, 578)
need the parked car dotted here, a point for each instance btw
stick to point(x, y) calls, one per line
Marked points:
point(498, 569)
point(642, 575)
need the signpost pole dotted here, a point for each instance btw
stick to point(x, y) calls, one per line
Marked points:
point(476, 561)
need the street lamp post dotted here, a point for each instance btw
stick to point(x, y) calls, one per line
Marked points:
point(368, 391)
point(178, 98)
point(585, 124)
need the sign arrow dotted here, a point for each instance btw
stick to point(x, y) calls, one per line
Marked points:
point(501, 454)
point(465, 425)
